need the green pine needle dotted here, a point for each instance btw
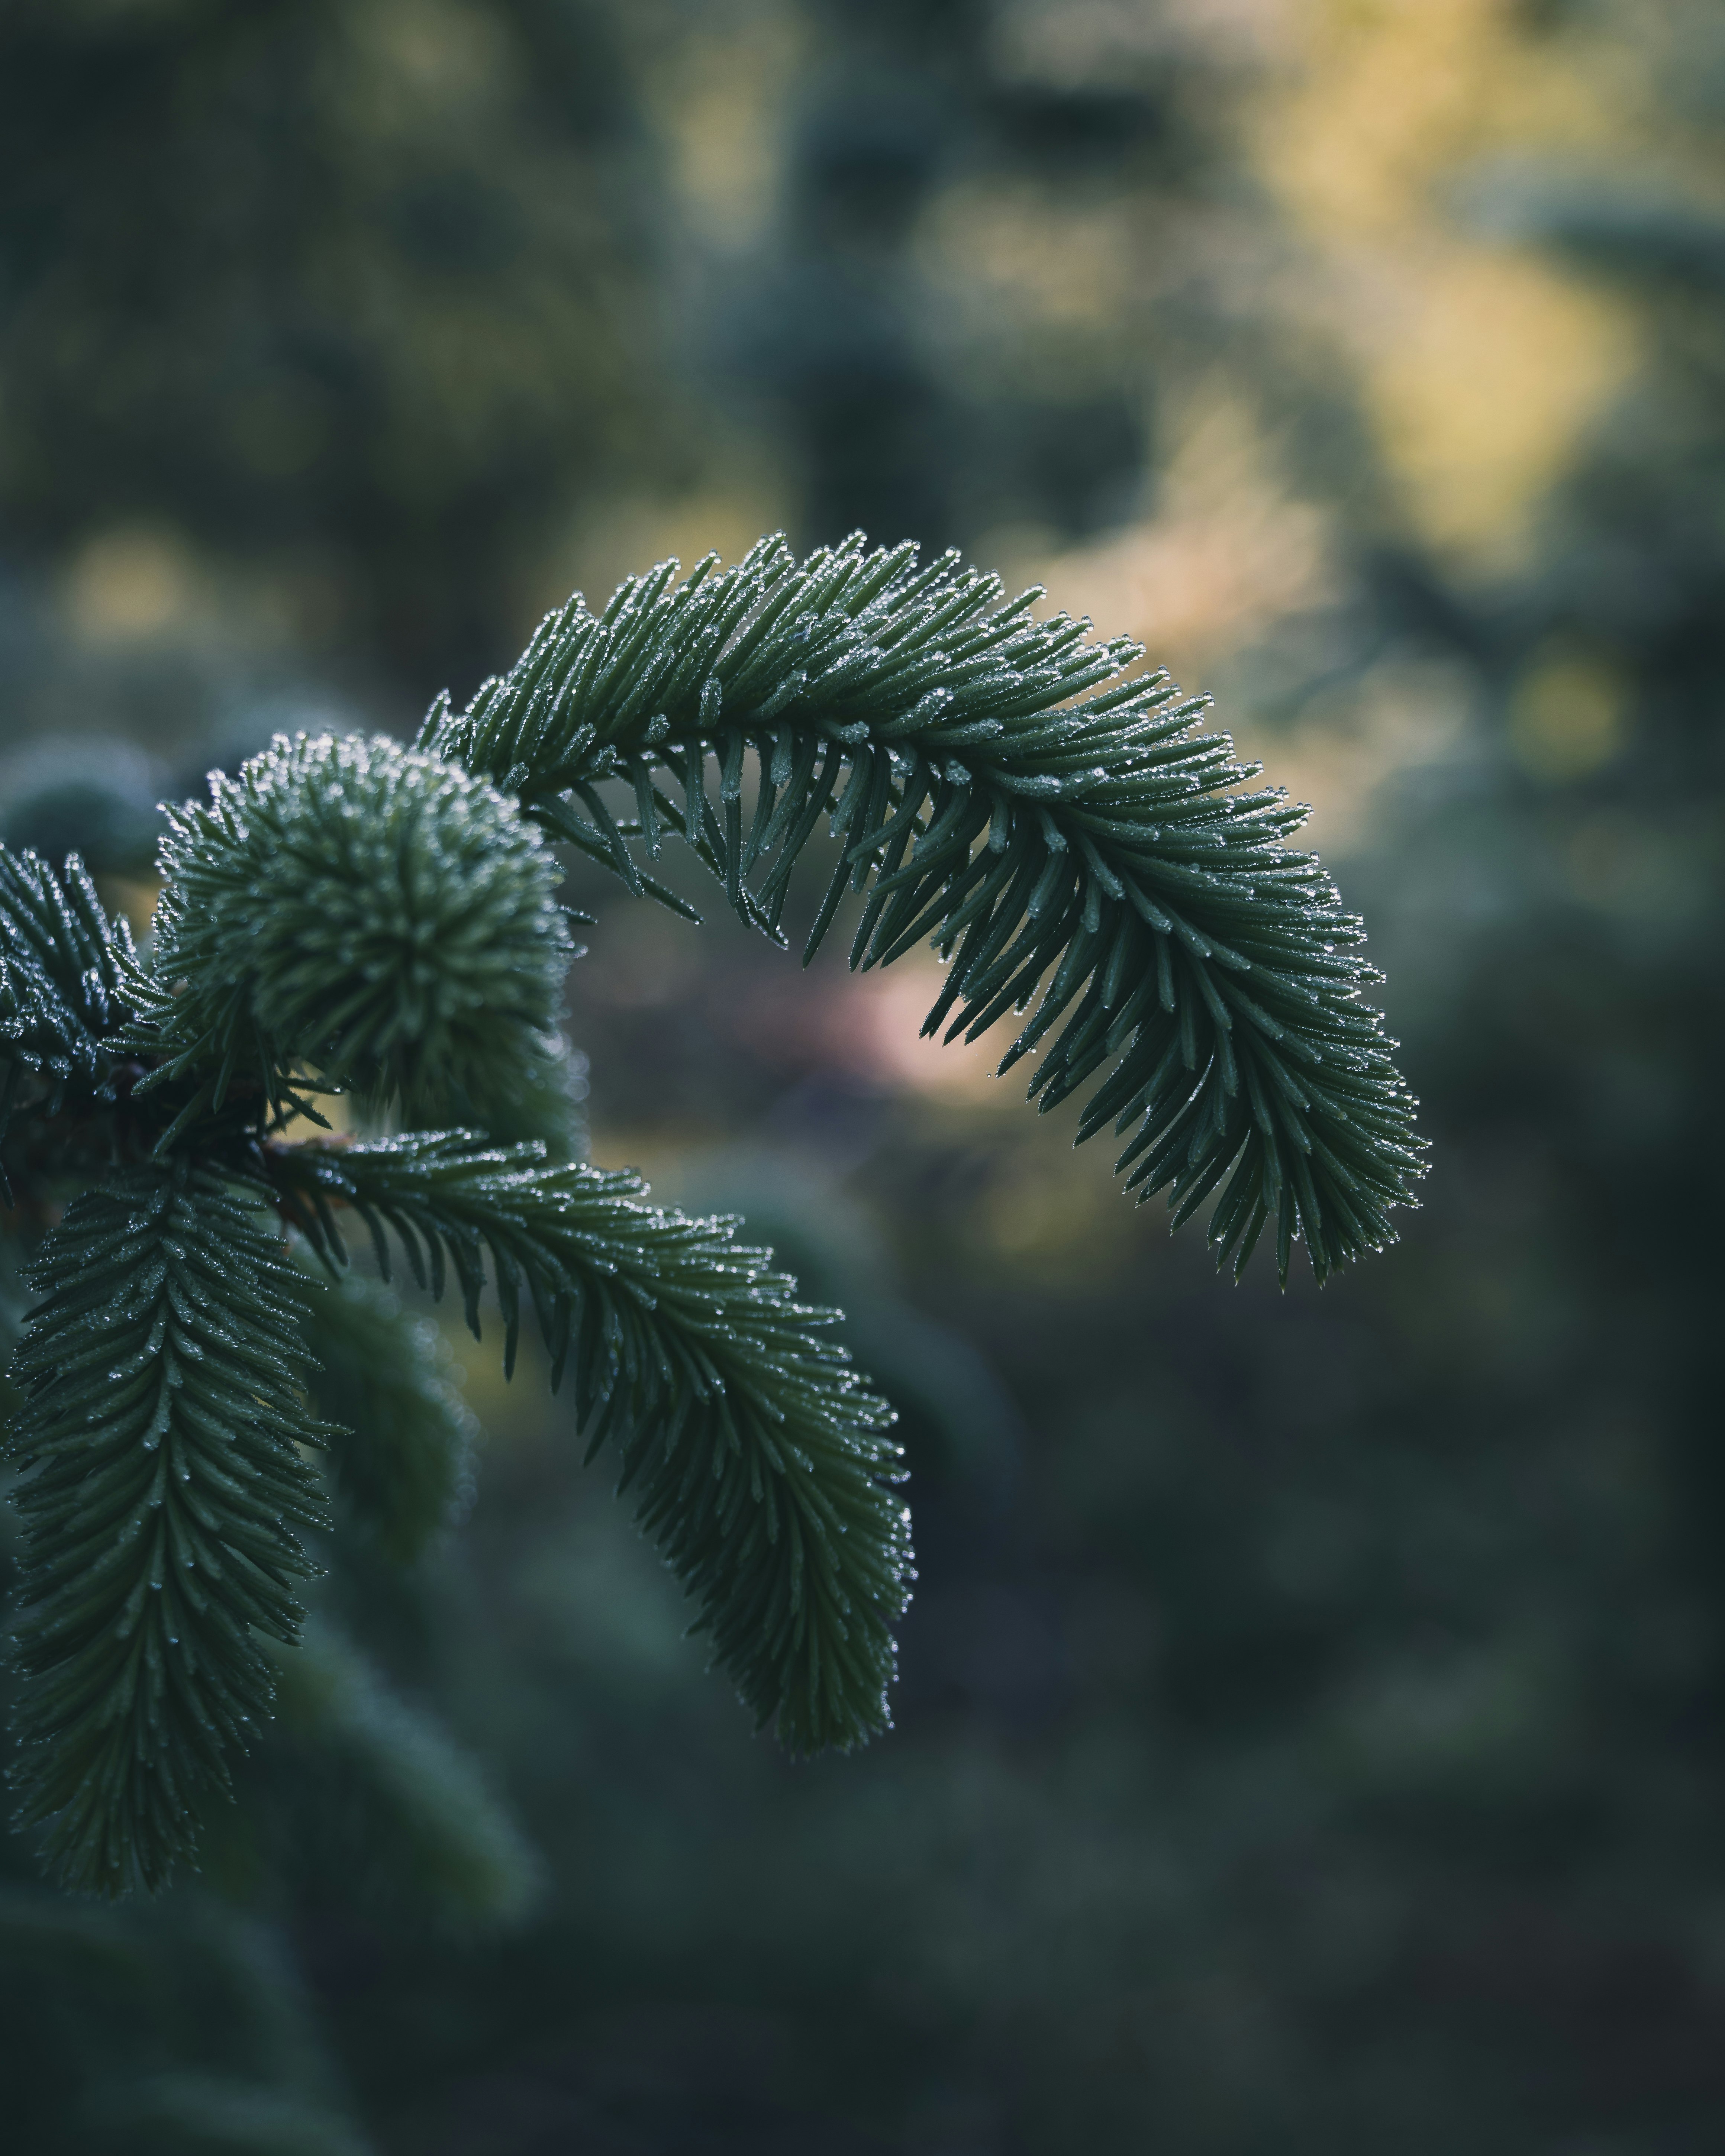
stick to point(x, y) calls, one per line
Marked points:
point(161, 1494)
point(1059, 827)
point(762, 1466)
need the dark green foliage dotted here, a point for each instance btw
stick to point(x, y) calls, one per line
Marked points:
point(397, 1786)
point(206, 2115)
point(762, 1464)
point(160, 1495)
point(364, 912)
point(402, 1437)
point(1369, 1794)
point(63, 964)
point(1004, 787)
point(348, 915)
point(158, 2031)
point(544, 1105)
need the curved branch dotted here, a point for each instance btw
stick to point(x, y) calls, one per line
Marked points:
point(762, 1466)
point(1010, 790)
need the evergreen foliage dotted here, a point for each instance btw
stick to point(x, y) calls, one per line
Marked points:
point(161, 1498)
point(357, 907)
point(1311, 1735)
point(758, 1457)
point(349, 916)
point(1012, 791)
point(247, 243)
point(174, 2026)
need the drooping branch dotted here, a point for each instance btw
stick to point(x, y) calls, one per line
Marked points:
point(162, 1495)
point(762, 1466)
point(402, 1457)
point(1062, 829)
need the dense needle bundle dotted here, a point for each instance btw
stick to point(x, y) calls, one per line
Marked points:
point(357, 909)
point(162, 1495)
point(351, 915)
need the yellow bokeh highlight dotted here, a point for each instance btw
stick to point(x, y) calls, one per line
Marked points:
point(1386, 95)
point(1011, 250)
point(415, 62)
point(133, 582)
point(1569, 716)
point(622, 535)
point(1480, 366)
point(1227, 548)
point(1480, 374)
point(718, 102)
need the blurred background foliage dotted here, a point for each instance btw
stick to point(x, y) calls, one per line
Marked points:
point(1311, 1735)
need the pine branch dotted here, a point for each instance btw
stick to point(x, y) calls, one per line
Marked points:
point(65, 971)
point(160, 1490)
point(402, 1437)
point(760, 1464)
point(1011, 791)
point(362, 913)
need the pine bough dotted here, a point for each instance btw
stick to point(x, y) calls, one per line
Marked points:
point(353, 916)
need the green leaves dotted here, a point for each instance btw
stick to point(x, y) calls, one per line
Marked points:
point(162, 1495)
point(367, 913)
point(762, 1466)
point(1063, 830)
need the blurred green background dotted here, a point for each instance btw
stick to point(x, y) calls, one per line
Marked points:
point(1312, 1734)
